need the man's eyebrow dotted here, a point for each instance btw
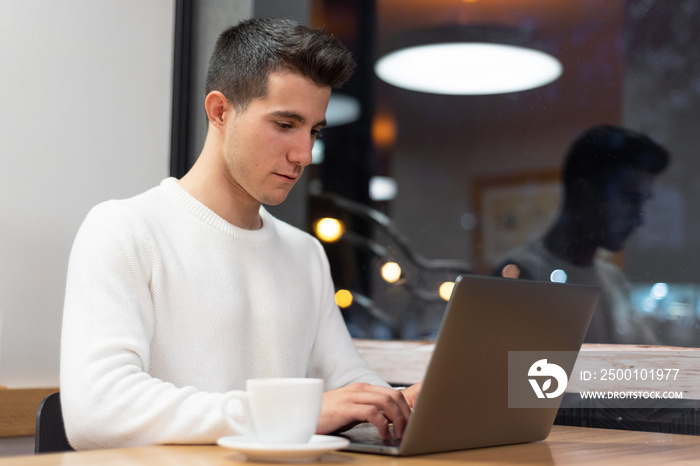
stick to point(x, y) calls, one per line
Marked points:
point(295, 116)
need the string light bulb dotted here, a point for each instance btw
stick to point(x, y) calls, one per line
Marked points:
point(329, 229)
point(343, 298)
point(391, 272)
point(446, 290)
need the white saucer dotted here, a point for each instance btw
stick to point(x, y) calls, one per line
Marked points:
point(287, 452)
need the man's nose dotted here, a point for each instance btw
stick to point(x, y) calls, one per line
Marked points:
point(300, 154)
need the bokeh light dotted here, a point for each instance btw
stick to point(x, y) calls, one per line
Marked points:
point(329, 229)
point(510, 271)
point(446, 290)
point(391, 272)
point(659, 291)
point(343, 298)
point(558, 276)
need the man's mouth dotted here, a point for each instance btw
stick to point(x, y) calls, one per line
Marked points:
point(290, 178)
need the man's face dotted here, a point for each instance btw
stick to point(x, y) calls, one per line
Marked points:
point(268, 144)
point(620, 207)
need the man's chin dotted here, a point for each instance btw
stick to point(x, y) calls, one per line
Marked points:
point(274, 199)
point(273, 203)
point(614, 247)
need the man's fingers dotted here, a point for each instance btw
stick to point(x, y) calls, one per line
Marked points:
point(364, 403)
point(411, 394)
point(390, 402)
point(375, 417)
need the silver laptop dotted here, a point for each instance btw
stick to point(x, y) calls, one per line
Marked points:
point(489, 326)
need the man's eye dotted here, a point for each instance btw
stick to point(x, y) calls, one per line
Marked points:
point(284, 125)
point(316, 133)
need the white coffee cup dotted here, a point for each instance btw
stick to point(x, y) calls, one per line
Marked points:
point(277, 410)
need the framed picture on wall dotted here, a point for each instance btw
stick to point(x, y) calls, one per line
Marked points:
point(511, 210)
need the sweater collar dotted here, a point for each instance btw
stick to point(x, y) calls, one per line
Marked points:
point(194, 207)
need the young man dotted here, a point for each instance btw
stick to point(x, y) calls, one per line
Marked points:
point(607, 177)
point(179, 295)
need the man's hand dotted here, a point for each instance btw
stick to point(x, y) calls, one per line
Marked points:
point(411, 394)
point(360, 402)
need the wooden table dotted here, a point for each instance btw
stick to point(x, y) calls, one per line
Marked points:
point(565, 446)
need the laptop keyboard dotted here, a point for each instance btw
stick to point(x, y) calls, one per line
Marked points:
point(367, 434)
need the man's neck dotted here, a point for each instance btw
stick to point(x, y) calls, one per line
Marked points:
point(565, 241)
point(210, 186)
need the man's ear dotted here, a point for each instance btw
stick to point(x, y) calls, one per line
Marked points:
point(217, 105)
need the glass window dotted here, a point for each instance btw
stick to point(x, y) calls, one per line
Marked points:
point(477, 183)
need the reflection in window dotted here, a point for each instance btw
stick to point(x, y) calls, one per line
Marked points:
point(478, 176)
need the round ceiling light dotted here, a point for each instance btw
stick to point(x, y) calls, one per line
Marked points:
point(469, 68)
point(342, 109)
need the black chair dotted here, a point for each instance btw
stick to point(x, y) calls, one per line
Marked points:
point(50, 436)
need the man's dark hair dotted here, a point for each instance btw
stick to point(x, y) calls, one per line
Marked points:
point(247, 53)
point(602, 151)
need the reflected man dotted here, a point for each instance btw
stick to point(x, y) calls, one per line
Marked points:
point(607, 178)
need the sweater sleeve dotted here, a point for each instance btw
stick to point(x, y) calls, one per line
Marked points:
point(109, 399)
point(334, 356)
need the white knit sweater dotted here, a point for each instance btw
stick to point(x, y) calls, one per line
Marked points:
point(168, 307)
